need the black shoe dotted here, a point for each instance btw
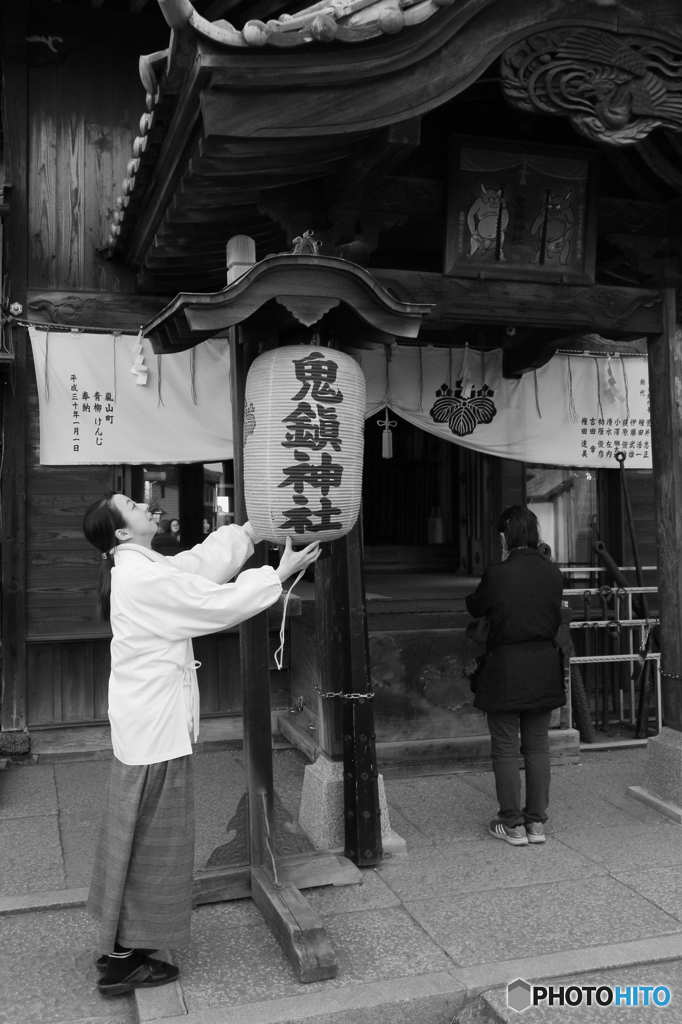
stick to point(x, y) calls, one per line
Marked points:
point(102, 962)
point(151, 974)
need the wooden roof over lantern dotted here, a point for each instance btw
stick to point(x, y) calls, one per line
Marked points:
point(284, 291)
point(237, 118)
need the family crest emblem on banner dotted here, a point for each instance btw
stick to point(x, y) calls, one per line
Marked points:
point(461, 412)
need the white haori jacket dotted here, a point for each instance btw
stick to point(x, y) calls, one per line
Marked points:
point(157, 605)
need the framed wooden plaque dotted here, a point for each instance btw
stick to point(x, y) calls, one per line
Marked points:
point(521, 212)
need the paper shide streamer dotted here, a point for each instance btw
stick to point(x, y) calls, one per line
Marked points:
point(139, 367)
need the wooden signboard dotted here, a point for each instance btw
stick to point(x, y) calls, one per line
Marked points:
point(521, 213)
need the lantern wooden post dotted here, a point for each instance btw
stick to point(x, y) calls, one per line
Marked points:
point(332, 650)
point(254, 649)
point(297, 927)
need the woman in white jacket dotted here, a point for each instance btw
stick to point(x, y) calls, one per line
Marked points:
point(142, 877)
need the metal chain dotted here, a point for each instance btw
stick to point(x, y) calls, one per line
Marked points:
point(327, 696)
point(345, 696)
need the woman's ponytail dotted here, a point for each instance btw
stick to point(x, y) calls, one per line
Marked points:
point(100, 523)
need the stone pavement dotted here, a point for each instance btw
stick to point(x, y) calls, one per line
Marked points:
point(419, 941)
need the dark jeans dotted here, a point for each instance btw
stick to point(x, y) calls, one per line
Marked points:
point(504, 743)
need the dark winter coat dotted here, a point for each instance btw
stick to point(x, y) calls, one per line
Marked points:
point(165, 542)
point(522, 670)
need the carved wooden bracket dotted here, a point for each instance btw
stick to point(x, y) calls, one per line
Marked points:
point(614, 88)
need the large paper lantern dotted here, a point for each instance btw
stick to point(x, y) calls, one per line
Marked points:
point(304, 419)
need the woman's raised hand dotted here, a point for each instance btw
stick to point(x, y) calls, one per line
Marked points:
point(292, 561)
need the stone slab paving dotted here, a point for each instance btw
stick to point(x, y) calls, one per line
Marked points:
point(47, 974)
point(444, 808)
point(528, 921)
point(27, 791)
point(484, 866)
point(661, 886)
point(454, 916)
point(628, 846)
point(31, 855)
point(234, 958)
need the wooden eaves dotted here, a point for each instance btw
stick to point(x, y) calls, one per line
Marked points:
point(320, 291)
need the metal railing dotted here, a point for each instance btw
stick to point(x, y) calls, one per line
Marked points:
point(611, 637)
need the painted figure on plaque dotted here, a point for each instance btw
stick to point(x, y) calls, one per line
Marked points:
point(487, 220)
point(554, 227)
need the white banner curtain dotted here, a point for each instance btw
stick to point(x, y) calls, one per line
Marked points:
point(573, 411)
point(107, 399)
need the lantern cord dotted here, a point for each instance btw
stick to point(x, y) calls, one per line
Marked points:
point(627, 390)
point(47, 379)
point(537, 395)
point(279, 653)
point(450, 368)
point(571, 401)
point(158, 382)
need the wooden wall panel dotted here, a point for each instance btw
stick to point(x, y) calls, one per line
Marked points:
point(101, 667)
point(43, 669)
point(62, 568)
point(68, 681)
point(219, 675)
point(70, 160)
point(42, 233)
point(83, 117)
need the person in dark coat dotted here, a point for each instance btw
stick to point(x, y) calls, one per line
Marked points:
point(520, 680)
point(167, 540)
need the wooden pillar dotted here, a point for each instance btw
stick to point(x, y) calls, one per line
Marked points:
point(665, 390)
point(346, 726)
point(333, 654)
point(13, 484)
point(360, 776)
point(254, 650)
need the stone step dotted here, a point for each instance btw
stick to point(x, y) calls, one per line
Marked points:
point(434, 997)
point(386, 620)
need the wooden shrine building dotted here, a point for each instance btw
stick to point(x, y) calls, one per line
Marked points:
point(506, 175)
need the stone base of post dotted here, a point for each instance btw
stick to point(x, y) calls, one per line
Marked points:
point(663, 789)
point(321, 814)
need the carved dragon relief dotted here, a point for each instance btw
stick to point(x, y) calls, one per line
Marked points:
point(615, 89)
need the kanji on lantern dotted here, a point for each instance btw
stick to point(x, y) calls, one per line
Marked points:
point(303, 449)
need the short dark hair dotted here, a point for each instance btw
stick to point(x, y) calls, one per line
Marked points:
point(520, 527)
point(100, 523)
